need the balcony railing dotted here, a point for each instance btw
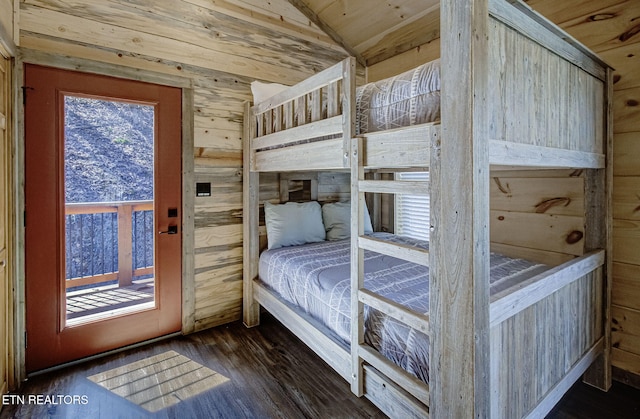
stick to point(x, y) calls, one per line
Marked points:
point(108, 241)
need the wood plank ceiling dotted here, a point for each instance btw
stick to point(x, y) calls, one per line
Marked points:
point(374, 30)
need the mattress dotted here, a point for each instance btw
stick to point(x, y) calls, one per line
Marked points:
point(316, 278)
point(409, 98)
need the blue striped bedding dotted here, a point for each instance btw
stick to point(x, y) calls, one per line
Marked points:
point(315, 277)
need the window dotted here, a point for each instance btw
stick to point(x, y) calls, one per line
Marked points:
point(412, 211)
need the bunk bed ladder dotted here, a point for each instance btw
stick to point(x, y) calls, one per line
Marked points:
point(360, 296)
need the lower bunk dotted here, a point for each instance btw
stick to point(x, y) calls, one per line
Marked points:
point(545, 321)
point(384, 393)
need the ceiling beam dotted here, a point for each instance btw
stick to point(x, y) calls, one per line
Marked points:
point(313, 17)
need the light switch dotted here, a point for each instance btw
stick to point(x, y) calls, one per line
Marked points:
point(203, 189)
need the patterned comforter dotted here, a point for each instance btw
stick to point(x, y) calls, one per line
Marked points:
point(409, 98)
point(406, 99)
point(316, 278)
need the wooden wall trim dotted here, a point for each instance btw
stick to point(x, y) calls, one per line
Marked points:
point(188, 223)
point(19, 307)
point(9, 232)
point(626, 377)
point(33, 56)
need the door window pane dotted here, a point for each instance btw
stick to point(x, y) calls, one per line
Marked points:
point(108, 177)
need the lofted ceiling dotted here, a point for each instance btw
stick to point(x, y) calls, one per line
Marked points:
point(374, 30)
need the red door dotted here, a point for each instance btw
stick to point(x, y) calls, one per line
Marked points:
point(88, 287)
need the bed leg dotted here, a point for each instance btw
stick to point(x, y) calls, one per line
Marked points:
point(599, 373)
point(251, 315)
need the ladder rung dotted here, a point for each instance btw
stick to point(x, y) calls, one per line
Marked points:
point(401, 251)
point(399, 312)
point(411, 187)
point(408, 382)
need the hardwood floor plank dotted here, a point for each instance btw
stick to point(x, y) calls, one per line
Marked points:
point(262, 372)
point(271, 374)
point(585, 402)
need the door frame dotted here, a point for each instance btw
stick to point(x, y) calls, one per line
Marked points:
point(10, 240)
point(188, 183)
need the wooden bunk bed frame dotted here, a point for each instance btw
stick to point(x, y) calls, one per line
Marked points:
point(509, 355)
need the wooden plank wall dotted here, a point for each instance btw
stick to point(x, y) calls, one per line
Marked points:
point(6, 15)
point(220, 47)
point(6, 20)
point(538, 215)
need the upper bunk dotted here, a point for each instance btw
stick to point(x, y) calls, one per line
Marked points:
point(547, 98)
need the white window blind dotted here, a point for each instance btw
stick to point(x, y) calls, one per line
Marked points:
point(412, 211)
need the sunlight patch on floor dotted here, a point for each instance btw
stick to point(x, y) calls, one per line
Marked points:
point(160, 381)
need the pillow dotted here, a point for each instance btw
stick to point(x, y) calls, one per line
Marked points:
point(293, 223)
point(337, 220)
point(263, 91)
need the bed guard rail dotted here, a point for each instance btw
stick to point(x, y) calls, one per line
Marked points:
point(321, 106)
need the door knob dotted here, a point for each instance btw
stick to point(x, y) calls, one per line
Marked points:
point(170, 230)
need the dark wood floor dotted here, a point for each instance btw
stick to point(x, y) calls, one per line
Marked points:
point(586, 402)
point(264, 372)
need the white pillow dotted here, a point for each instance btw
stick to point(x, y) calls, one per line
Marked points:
point(337, 220)
point(263, 91)
point(293, 223)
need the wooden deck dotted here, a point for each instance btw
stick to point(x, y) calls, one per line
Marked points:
point(109, 300)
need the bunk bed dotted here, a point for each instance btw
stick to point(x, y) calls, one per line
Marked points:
point(506, 352)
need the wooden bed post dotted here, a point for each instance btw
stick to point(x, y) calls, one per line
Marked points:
point(250, 224)
point(599, 236)
point(459, 295)
point(348, 108)
point(357, 267)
